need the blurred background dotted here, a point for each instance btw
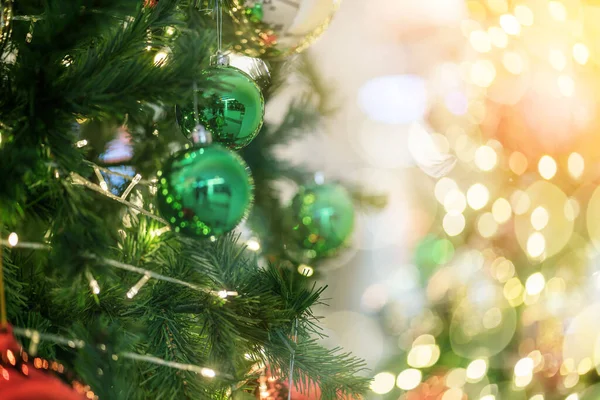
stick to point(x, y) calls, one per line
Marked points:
point(478, 119)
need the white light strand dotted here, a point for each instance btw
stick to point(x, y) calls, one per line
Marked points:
point(136, 288)
point(154, 275)
point(136, 179)
point(103, 183)
point(78, 179)
point(36, 336)
point(26, 245)
point(117, 264)
point(93, 282)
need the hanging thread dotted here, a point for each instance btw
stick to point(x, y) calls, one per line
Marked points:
point(219, 16)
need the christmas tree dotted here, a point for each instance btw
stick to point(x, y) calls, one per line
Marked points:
point(120, 264)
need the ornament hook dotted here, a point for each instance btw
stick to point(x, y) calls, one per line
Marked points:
point(200, 136)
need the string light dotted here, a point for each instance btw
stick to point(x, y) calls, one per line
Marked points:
point(81, 143)
point(93, 283)
point(253, 245)
point(136, 288)
point(136, 179)
point(160, 58)
point(13, 239)
point(306, 270)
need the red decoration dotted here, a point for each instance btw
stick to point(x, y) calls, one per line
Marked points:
point(271, 387)
point(150, 3)
point(26, 378)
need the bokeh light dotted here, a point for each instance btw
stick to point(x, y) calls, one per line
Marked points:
point(454, 224)
point(576, 165)
point(478, 196)
point(518, 163)
point(513, 62)
point(486, 158)
point(383, 383)
point(581, 53)
point(487, 225)
point(557, 10)
point(501, 210)
point(524, 15)
point(535, 284)
point(547, 167)
point(409, 379)
point(510, 24)
point(455, 202)
point(483, 73)
point(476, 370)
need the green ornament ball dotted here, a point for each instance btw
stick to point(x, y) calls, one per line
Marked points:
point(205, 191)
point(232, 110)
point(318, 222)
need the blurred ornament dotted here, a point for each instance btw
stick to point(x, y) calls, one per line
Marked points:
point(483, 323)
point(232, 109)
point(6, 15)
point(150, 3)
point(394, 99)
point(279, 28)
point(319, 221)
point(25, 377)
point(429, 154)
point(274, 387)
point(206, 190)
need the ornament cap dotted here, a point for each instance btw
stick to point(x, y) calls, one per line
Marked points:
point(200, 136)
point(220, 59)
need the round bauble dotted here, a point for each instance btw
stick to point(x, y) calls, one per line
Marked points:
point(232, 110)
point(205, 191)
point(318, 222)
point(275, 29)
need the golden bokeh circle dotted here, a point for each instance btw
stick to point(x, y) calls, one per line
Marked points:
point(556, 231)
